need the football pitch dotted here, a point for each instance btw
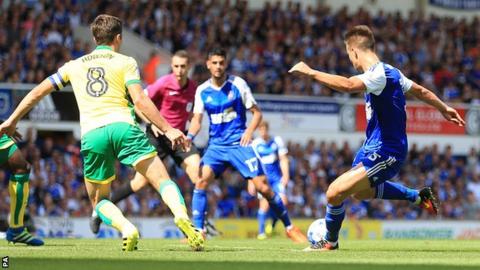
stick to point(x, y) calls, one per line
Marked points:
point(272, 254)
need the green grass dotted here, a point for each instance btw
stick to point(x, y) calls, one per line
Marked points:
point(275, 254)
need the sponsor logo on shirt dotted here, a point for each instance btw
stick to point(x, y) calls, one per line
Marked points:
point(226, 116)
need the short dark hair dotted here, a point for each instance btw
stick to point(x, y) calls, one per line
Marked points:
point(363, 37)
point(182, 54)
point(216, 51)
point(105, 28)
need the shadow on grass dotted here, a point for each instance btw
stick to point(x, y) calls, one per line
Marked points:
point(82, 264)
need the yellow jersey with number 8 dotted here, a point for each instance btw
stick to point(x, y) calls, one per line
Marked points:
point(99, 81)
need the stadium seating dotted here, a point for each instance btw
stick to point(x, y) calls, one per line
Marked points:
point(57, 187)
point(35, 39)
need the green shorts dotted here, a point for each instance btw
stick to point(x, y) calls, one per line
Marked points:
point(7, 148)
point(102, 146)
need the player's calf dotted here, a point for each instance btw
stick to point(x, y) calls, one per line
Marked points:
point(112, 216)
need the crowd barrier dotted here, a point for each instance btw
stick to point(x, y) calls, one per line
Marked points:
point(247, 228)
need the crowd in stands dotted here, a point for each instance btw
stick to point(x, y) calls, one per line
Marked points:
point(438, 52)
point(36, 37)
point(57, 189)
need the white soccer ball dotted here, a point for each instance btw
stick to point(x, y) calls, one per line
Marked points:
point(317, 231)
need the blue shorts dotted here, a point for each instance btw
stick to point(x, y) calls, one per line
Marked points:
point(381, 165)
point(242, 158)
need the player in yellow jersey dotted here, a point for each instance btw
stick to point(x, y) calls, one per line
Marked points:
point(12, 158)
point(101, 82)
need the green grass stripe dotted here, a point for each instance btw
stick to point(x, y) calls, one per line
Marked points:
point(80, 264)
point(272, 254)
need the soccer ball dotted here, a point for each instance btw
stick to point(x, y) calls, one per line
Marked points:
point(317, 231)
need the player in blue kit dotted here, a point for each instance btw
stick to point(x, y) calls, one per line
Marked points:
point(226, 100)
point(385, 148)
point(273, 155)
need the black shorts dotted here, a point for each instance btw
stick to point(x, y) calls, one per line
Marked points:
point(164, 148)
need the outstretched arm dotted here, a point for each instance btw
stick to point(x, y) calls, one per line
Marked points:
point(148, 109)
point(339, 83)
point(28, 102)
point(430, 98)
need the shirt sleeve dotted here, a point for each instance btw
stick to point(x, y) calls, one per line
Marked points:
point(247, 97)
point(282, 149)
point(60, 79)
point(374, 80)
point(132, 73)
point(198, 106)
point(405, 82)
point(154, 90)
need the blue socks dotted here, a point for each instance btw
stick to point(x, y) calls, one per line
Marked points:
point(279, 209)
point(273, 217)
point(199, 207)
point(394, 191)
point(262, 218)
point(333, 220)
point(386, 191)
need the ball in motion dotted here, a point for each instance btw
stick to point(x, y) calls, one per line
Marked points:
point(317, 231)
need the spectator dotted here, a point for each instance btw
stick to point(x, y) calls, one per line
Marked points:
point(265, 42)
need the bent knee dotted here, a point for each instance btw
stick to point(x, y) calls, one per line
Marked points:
point(201, 184)
point(334, 195)
point(266, 192)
